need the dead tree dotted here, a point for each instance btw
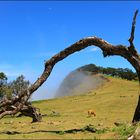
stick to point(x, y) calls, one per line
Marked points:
point(27, 110)
point(127, 52)
point(31, 111)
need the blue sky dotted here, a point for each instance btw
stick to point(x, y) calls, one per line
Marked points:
point(31, 32)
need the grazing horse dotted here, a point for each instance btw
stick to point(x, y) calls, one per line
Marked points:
point(91, 112)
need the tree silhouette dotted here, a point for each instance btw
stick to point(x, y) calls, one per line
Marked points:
point(13, 106)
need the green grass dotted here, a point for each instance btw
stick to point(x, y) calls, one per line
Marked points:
point(113, 102)
point(124, 131)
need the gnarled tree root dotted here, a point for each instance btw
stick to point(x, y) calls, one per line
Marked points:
point(31, 111)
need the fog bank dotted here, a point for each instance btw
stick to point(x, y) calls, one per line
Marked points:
point(79, 82)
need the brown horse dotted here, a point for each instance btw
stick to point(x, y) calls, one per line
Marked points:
point(91, 113)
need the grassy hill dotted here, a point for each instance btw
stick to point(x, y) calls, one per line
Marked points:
point(67, 117)
point(80, 82)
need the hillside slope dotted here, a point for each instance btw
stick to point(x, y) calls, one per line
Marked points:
point(113, 102)
point(80, 82)
point(90, 77)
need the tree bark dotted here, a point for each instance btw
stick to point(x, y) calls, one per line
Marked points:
point(136, 117)
point(31, 111)
point(127, 52)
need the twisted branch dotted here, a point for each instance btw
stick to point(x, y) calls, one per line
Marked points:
point(132, 47)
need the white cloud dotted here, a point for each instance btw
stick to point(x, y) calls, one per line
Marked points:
point(94, 49)
point(10, 70)
point(12, 74)
point(13, 71)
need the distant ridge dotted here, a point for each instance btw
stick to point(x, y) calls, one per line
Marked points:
point(123, 73)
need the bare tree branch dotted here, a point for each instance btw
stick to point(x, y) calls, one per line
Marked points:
point(133, 29)
point(132, 47)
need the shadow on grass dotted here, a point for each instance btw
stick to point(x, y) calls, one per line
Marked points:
point(88, 128)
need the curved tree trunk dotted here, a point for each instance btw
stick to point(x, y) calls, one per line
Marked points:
point(136, 117)
point(31, 111)
point(127, 52)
